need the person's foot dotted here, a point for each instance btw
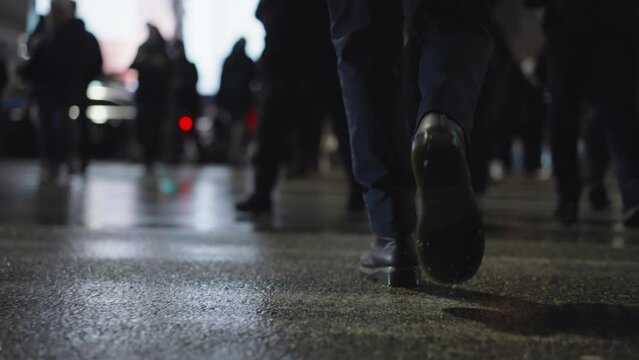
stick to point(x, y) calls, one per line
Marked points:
point(449, 238)
point(631, 217)
point(599, 198)
point(390, 263)
point(255, 204)
point(567, 212)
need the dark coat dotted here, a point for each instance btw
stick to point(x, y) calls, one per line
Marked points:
point(235, 93)
point(154, 74)
point(64, 62)
point(185, 95)
point(297, 45)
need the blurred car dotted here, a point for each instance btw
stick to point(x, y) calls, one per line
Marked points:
point(111, 113)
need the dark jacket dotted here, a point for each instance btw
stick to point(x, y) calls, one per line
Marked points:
point(235, 93)
point(185, 95)
point(64, 62)
point(297, 45)
point(154, 73)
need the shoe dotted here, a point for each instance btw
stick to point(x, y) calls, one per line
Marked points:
point(390, 263)
point(449, 238)
point(631, 217)
point(599, 198)
point(567, 212)
point(255, 204)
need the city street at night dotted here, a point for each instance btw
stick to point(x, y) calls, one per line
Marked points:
point(119, 266)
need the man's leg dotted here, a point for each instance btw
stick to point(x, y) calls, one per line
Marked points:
point(454, 49)
point(368, 39)
point(283, 103)
point(617, 57)
point(597, 161)
point(565, 79)
point(271, 135)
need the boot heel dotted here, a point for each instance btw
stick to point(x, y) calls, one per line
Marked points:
point(392, 277)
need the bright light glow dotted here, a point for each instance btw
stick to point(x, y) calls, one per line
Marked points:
point(74, 112)
point(100, 114)
point(97, 92)
point(185, 123)
point(42, 7)
point(204, 124)
point(211, 27)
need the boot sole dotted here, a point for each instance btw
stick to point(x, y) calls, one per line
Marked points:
point(391, 277)
point(449, 237)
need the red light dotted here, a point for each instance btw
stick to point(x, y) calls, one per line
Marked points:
point(251, 121)
point(185, 123)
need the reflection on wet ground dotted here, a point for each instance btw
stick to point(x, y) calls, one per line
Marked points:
point(116, 266)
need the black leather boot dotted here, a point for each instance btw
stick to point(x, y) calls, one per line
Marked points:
point(449, 239)
point(391, 263)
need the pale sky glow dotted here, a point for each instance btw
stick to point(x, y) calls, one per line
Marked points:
point(211, 27)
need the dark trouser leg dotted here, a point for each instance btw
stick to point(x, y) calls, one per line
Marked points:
point(596, 152)
point(480, 140)
point(149, 130)
point(340, 128)
point(564, 113)
point(311, 135)
point(367, 35)
point(454, 51)
point(617, 65)
point(482, 133)
point(533, 129)
point(53, 133)
point(279, 109)
point(85, 138)
point(596, 162)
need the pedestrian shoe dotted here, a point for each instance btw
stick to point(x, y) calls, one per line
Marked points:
point(449, 238)
point(390, 263)
point(255, 204)
point(631, 217)
point(567, 212)
point(599, 198)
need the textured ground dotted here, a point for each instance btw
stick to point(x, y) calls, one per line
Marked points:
point(121, 268)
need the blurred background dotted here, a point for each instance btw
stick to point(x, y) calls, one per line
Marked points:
point(208, 28)
point(160, 83)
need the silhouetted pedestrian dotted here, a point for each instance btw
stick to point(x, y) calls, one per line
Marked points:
point(300, 88)
point(185, 98)
point(154, 75)
point(235, 96)
point(65, 58)
point(89, 51)
point(593, 46)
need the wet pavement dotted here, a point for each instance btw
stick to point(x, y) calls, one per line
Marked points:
point(119, 267)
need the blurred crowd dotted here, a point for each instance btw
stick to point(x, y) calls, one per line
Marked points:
point(575, 99)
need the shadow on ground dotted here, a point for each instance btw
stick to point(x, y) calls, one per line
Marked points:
point(522, 317)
